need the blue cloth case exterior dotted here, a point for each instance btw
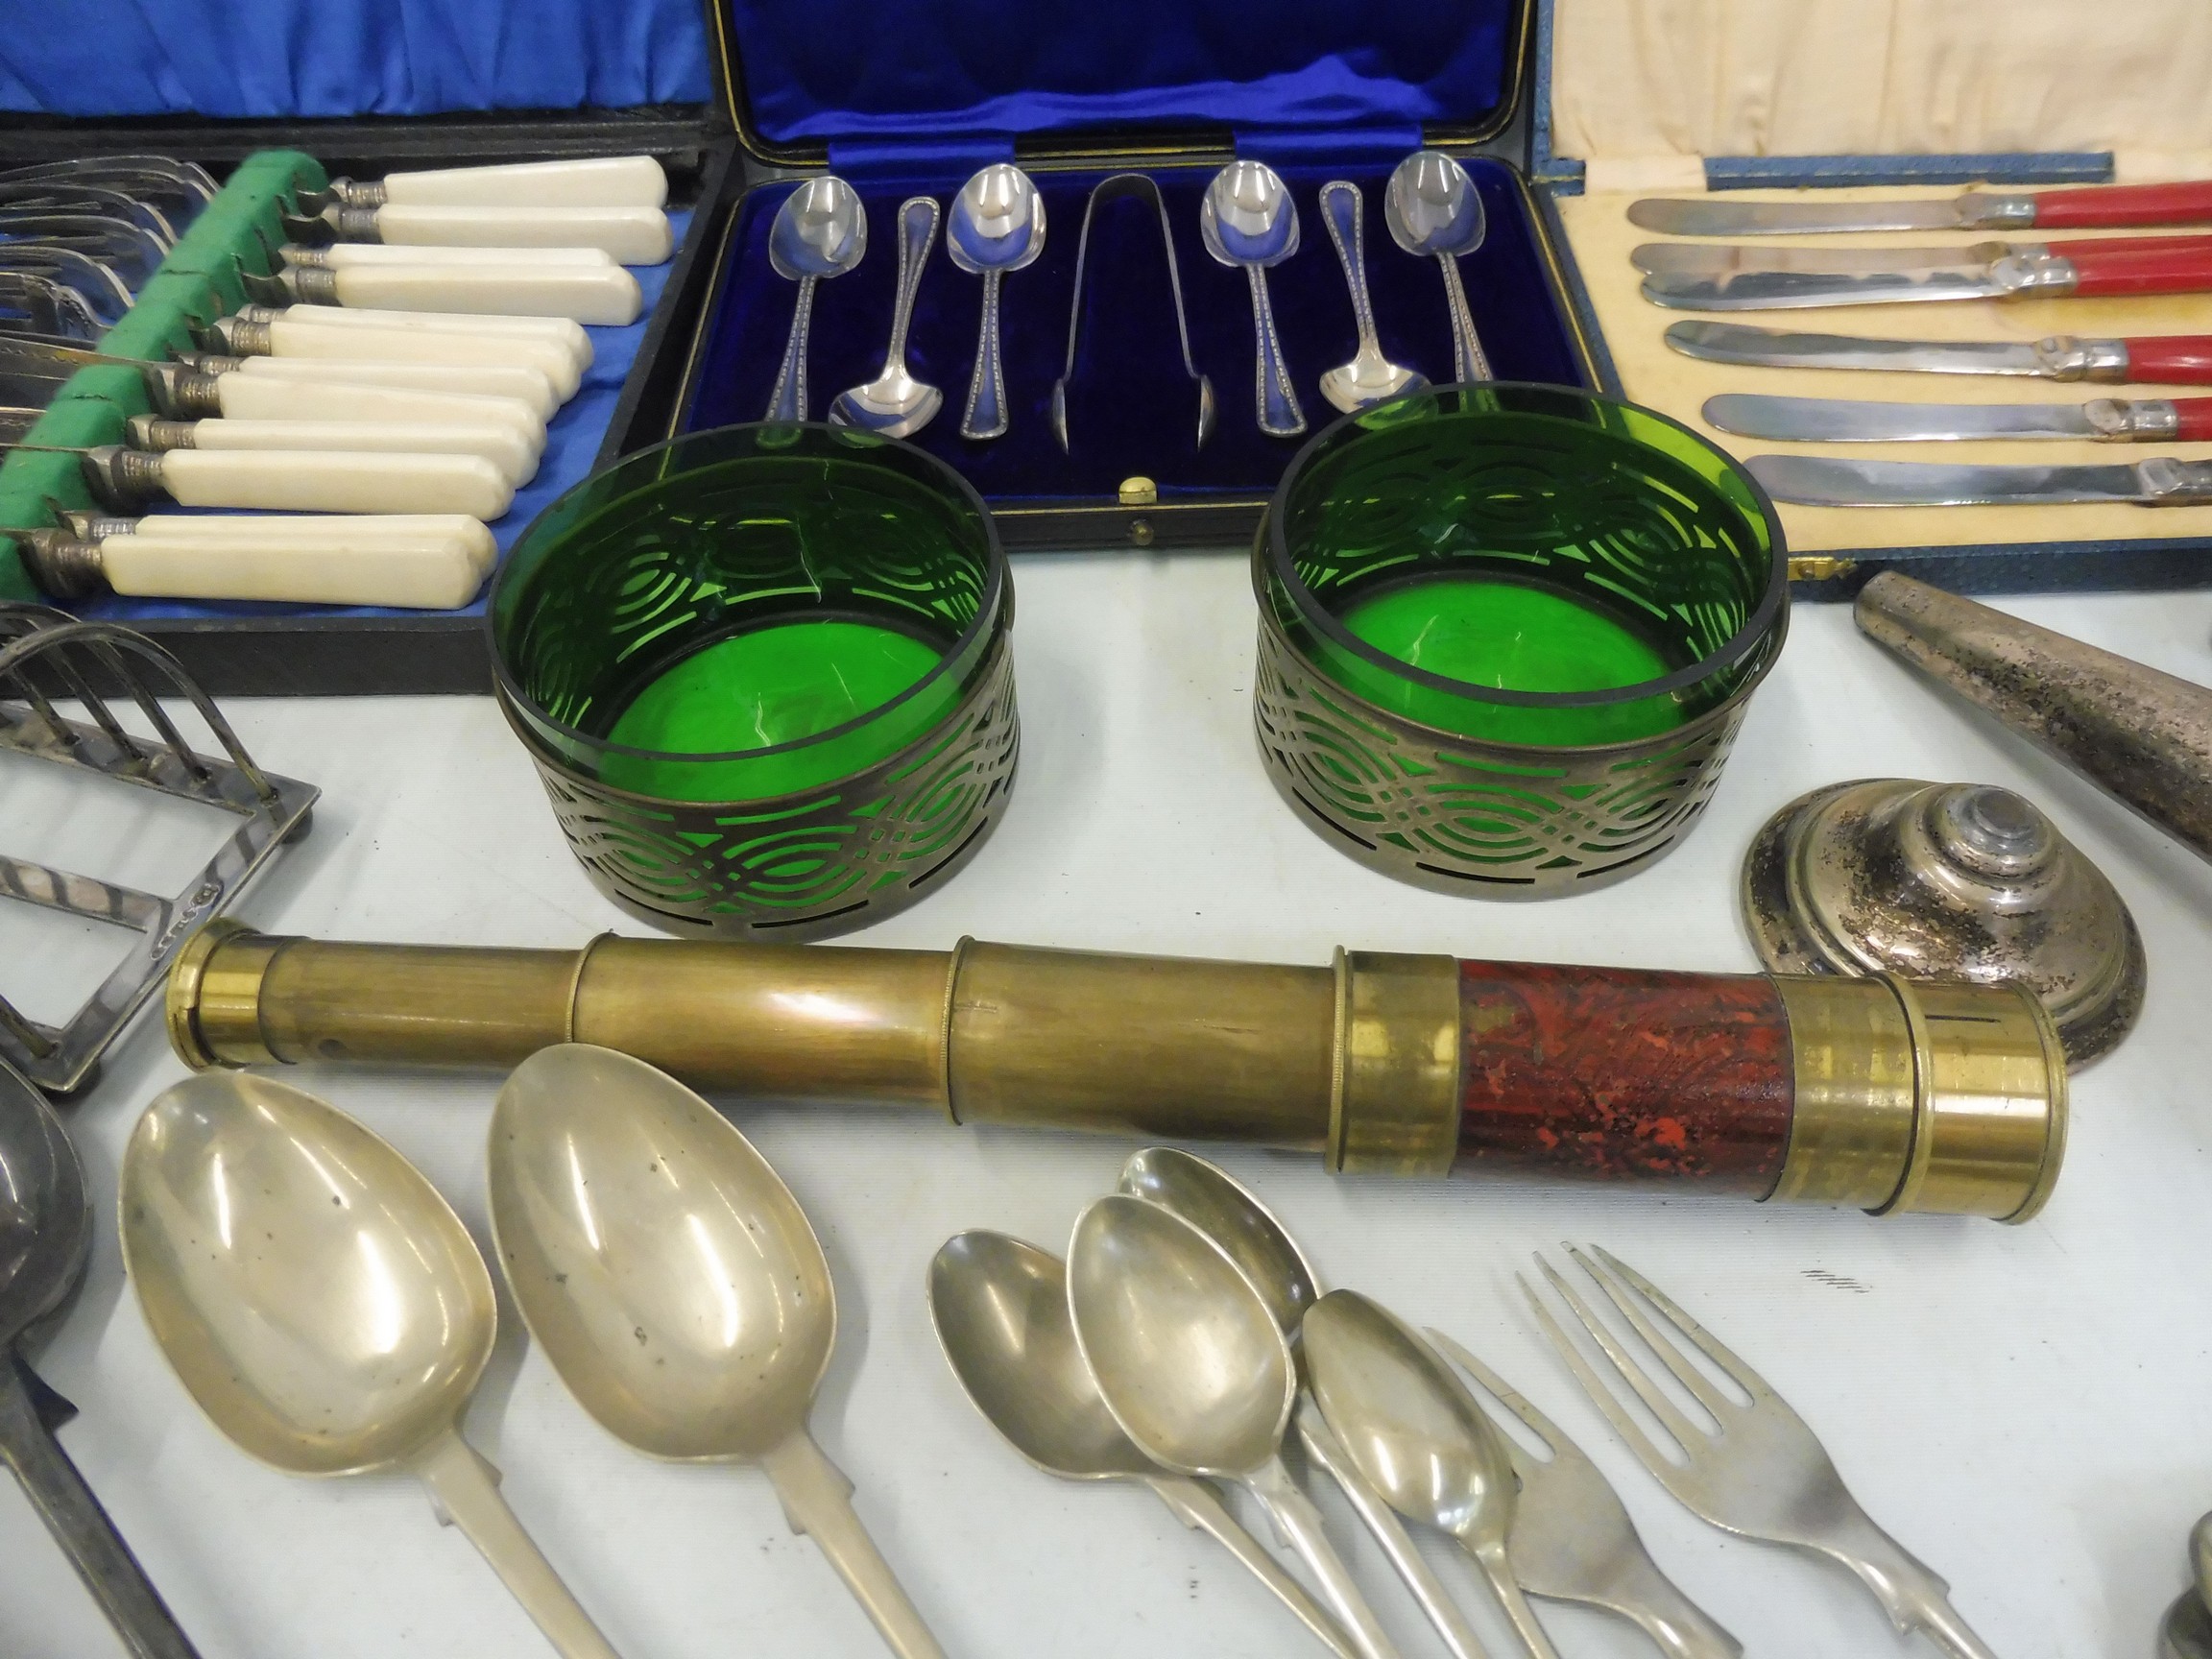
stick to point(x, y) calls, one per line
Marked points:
point(2004, 568)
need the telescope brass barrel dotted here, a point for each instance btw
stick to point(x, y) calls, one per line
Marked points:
point(1887, 1094)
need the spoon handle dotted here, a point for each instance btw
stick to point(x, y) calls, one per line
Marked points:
point(788, 401)
point(1381, 1521)
point(1299, 1523)
point(1468, 359)
point(466, 1489)
point(1280, 415)
point(1196, 1506)
point(986, 416)
point(81, 1526)
point(818, 1501)
point(1343, 210)
point(917, 230)
point(1535, 1642)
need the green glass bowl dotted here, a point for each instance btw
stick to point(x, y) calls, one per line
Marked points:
point(1508, 632)
point(763, 672)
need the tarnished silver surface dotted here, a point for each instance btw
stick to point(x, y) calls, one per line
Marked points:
point(1842, 420)
point(2144, 737)
point(1820, 481)
point(2013, 276)
point(1719, 216)
point(2058, 357)
point(1728, 258)
point(1945, 881)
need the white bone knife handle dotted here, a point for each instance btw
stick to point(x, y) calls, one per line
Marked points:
point(322, 528)
point(243, 396)
point(563, 331)
point(494, 440)
point(293, 481)
point(605, 294)
point(339, 256)
point(434, 571)
point(290, 339)
point(528, 387)
point(600, 181)
point(632, 235)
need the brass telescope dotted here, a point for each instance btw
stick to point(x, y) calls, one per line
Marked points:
point(1889, 1095)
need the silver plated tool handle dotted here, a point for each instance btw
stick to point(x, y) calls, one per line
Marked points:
point(1676, 1624)
point(1910, 1592)
point(1343, 211)
point(986, 416)
point(818, 1501)
point(1299, 1523)
point(1280, 415)
point(1469, 361)
point(1381, 1521)
point(1196, 1506)
point(788, 401)
point(917, 230)
point(74, 1515)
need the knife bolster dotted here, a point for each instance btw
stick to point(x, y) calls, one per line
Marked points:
point(1997, 211)
point(2066, 358)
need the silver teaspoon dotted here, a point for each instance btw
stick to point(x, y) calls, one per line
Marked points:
point(894, 404)
point(1248, 220)
point(1434, 211)
point(996, 225)
point(1370, 378)
point(821, 231)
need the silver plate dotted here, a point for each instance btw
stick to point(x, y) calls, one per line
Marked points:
point(1840, 420)
point(1782, 290)
point(1788, 348)
point(1817, 481)
point(1706, 216)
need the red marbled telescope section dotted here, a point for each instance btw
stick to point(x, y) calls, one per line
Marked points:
point(1621, 1074)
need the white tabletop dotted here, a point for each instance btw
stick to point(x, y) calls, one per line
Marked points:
point(2024, 1407)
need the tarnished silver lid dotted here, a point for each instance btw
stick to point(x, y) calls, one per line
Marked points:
point(1945, 881)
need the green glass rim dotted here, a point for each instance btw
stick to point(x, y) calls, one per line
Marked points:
point(1738, 646)
point(988, 603)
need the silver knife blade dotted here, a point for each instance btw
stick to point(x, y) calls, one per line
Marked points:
point(1726, 259)
point(1786, 290)
point(1788, 348)
point(1840, 420)
point(1819, 481)
point(1713, 216)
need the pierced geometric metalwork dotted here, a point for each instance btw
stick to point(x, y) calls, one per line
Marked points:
point(810, 864)
point(70, 656)
point(1456, 815)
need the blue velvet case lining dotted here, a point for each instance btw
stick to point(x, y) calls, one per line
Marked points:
point(1132, 410)
point(833, 69)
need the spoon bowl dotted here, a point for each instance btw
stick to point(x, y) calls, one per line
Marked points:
point(820, 231)
point(1369, 377)
point(1434, 211)
point(677, 1286)
point(324, 1305)
point(1248, 220)
point(45, 1218)
point(1419, 1436)
point(896, 404)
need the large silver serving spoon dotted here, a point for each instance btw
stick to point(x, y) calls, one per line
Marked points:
point(1413, 1429)
point(1247, 219)
point(894, 404)
point(675, 1283)
point(324, 1305)
point(1191, 1364)
point(1000, 1309)
point(820, 231)
point(996, 225)
point(45, 1244)
point(1433, 210)
point(1220, 1206)
point(1370, 378)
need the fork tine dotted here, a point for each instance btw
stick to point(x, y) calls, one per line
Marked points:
point(1664, 1351)
point(1601, 1395)
point(1708, 1344)
point(1538, 1425)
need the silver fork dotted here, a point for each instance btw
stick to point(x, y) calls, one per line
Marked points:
point(1760, 1472)
point(1572, 1538)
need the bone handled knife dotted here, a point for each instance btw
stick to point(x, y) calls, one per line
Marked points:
point(2097, 206)
point(2158, 359)
point(592, 181)
point(1729, 258)
point(1844, 421)
point(2088, 273)
point(1819, 481)
point(324, 563)
point(630, 235)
